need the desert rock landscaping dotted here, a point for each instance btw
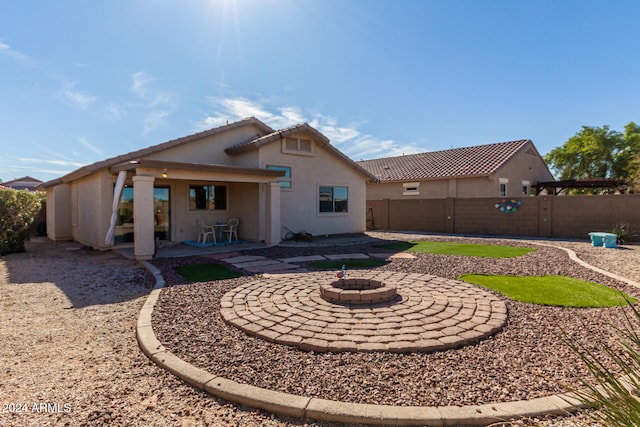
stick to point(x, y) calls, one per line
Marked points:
point(68, 339)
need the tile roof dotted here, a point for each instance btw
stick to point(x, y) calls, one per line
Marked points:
point(479, 160)
point(136, 155)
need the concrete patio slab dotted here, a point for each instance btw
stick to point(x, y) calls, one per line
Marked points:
point(243, 258)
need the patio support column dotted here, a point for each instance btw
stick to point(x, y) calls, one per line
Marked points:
point(144, 246)
point(272, 213)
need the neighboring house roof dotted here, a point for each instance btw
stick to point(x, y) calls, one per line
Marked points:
point(255, 144)
point(136, 155)
point(479, 160)
point(24, 183)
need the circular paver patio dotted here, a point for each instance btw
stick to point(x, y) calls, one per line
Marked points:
point(429, 313)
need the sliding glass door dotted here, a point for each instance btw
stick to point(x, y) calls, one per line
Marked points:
point(161, 215)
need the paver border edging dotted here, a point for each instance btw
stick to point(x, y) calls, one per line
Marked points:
point(343, 412)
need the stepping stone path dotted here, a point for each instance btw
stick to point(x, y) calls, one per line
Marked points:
point(430, 313)
point(259, 264)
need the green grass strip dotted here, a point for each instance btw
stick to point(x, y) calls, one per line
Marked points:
point(348, 263)
point(551, 290)
point(206, 272)
point(462, 249)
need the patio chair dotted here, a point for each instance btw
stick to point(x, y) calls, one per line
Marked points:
point(205, 231)
point(231, 228)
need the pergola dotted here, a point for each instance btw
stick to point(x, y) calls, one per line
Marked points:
point(556, 187)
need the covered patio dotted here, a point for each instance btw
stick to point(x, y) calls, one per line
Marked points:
point(191, 192)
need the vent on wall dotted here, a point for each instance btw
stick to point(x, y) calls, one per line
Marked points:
point(298, 145)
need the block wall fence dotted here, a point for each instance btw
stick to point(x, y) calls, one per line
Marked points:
point(542, 216)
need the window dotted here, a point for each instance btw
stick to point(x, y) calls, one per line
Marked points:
point(285, 181)
point(207, 197)
point(503, 186)
point(525, 188)
point(411, 189)
point(334, 199)
point(297, 146)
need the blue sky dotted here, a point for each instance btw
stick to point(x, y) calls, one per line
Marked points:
point(81, 81)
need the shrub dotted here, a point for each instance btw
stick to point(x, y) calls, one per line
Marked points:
point(18, 211)
point(614, 395)
point(623, 232)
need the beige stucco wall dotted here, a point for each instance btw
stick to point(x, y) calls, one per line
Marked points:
point(210, 150)
point(523, 167)
point(59, 212)
point(299, 205)
point(91, 199)
point(476, 187)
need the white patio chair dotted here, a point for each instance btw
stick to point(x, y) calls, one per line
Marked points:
point(205, 231)
point(231, 228)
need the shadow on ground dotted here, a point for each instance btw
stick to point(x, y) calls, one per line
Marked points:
point(85, 276)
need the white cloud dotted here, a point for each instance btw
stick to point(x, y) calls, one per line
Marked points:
point(18, 56)
point(154, 120)
point(143, 87)
point(158, 102)
point(76, 98)
point(32, 160)
point(292, 115)
point(91, 147)
point(116, 111)
point(348, 138)
point(241, 108)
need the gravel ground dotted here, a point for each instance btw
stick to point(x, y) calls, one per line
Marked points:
point(68, 346)
point(526, 360)
point(68, 342)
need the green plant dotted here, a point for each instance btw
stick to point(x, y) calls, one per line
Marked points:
point(615, 397)
point(462, 249)
point(551, 290)
point(18, 210)
point(206, 272)
point(623, 232)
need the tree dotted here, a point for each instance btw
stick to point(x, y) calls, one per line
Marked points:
point(18, 210)
point(598, 153)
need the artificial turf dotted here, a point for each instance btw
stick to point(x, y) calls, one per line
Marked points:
point(206, 272)
point(463, 249)
point(551, 290)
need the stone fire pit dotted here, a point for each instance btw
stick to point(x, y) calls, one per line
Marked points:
point(364, 314)
point(358, 292)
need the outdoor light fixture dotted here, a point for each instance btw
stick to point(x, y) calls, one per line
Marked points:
point(164, 173)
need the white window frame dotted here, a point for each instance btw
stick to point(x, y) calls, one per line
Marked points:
point(502, 190)
point(411, 189)
point(333, 201)
point(526, 188)
point(286, 182)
